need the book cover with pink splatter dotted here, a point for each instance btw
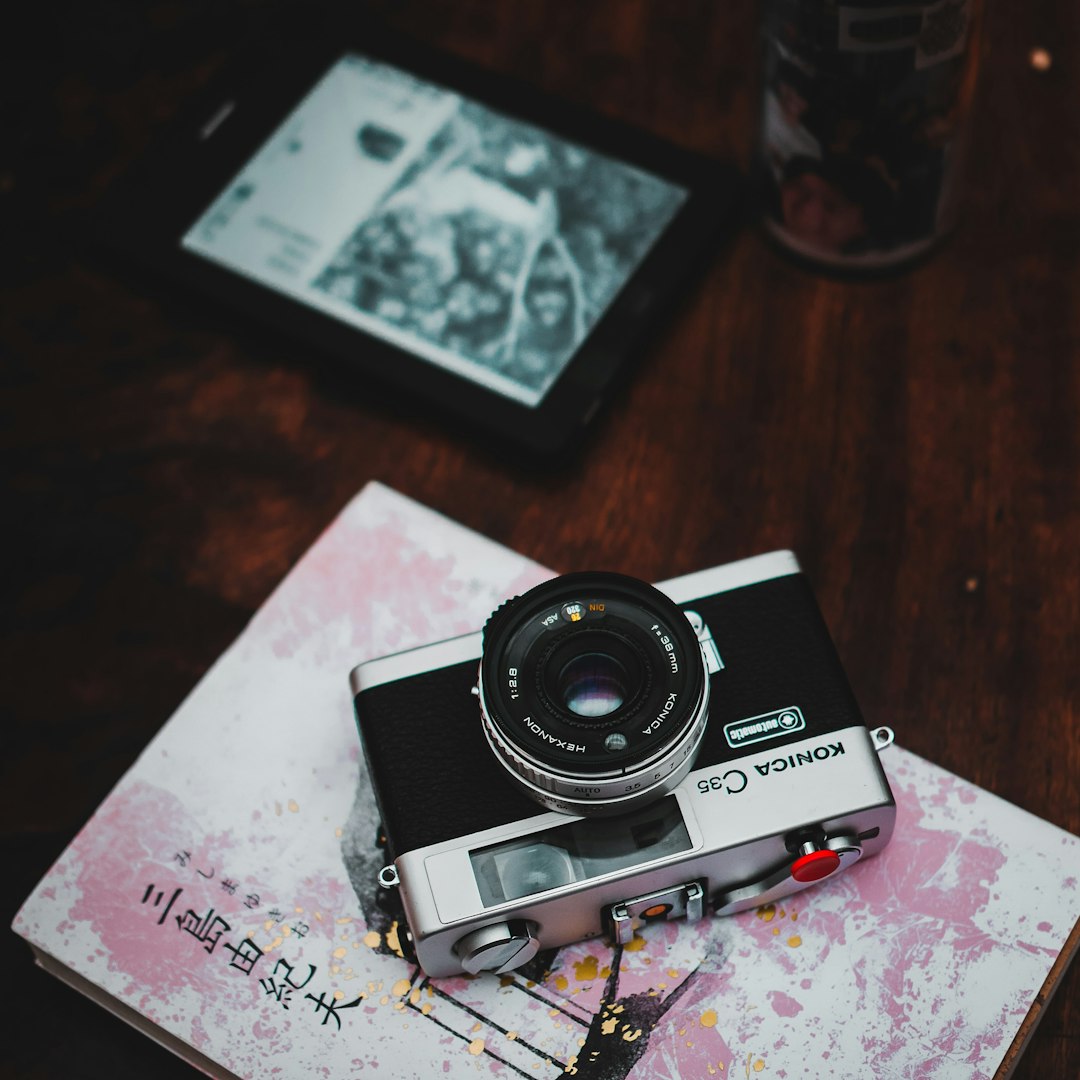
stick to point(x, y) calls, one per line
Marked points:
point(224, 893)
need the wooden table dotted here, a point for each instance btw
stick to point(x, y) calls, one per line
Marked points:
point(914, 440)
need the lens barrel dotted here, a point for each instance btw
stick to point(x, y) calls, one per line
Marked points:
point(594, 692)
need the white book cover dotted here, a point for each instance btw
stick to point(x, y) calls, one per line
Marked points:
point(222, 897)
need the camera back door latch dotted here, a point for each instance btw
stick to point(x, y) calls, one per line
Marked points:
point(814, 863)
point(684, 901)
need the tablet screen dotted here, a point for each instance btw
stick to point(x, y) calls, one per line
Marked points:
point(471, 239)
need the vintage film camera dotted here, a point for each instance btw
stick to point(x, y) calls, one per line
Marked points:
point(638, 754)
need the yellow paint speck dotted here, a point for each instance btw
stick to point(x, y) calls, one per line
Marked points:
point(636, 944)
point(286, 930)
point(476, 1047)
point(276, 942)
point(339, 994)
point(372, 939)
point(631, 1036)
point(673, 973)
point(475, 1027)
point(608, 1026)
point(344, 920)
point(414, 997)
point(561, 982)
point(794, 941)
point(426, 1008)
point(384, 1000)
point(585, 970)
point(776, 931)
point(767, 912)
point(294, 806)
point(511, 1035)
point(339, 953)
point(392, 939)
point(298, 910)
point(708, 1018)
point(400, 988)
point(339, 832)
point(759, 1065)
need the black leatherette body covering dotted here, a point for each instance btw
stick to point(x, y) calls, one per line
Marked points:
point(436, 778)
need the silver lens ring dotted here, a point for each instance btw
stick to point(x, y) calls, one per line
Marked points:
point(594, 693)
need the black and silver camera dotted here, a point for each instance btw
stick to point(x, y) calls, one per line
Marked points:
point(639, 753)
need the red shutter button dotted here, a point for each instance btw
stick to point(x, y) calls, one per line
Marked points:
point(815, 865)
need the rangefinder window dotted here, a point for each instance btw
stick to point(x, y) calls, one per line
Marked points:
point(578, 851)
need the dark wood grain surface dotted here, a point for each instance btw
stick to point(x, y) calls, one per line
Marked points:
point(915, 440)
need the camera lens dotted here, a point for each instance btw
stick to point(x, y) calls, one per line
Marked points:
point(593, 685)
point(593, 692)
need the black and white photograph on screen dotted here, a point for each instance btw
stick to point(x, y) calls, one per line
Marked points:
point(501, 244)
point(479, 242)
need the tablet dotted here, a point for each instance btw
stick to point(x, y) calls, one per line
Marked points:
point(453, 235)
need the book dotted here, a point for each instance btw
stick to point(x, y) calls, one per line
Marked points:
point(223, 898)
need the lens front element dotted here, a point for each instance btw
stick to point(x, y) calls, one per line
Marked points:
point(593, 685)
point(593, 692)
